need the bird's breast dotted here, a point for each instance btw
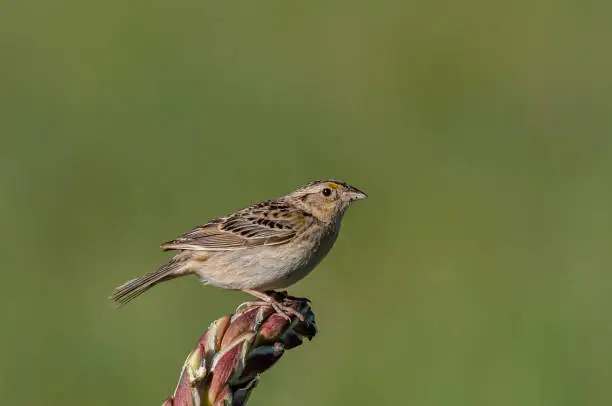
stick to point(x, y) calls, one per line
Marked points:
point(268, 267)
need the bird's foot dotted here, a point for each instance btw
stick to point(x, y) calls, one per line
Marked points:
point(285, 311)
point(275, 299)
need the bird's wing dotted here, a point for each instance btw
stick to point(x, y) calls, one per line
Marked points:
point(268, 223)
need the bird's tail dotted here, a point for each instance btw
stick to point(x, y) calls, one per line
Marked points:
point(133, 288)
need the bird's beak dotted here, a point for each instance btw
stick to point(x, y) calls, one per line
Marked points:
point(352, 194)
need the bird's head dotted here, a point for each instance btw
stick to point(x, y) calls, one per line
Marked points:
point(326, 199)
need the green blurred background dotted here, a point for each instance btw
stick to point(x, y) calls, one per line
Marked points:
point(477, 273)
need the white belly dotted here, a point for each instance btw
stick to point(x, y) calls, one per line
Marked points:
point(264, 268)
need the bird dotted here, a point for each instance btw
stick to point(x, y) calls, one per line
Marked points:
point(259, 249)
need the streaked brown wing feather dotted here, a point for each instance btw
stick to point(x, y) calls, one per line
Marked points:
point(268, 223)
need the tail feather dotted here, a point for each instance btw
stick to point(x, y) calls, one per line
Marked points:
point(135, 287)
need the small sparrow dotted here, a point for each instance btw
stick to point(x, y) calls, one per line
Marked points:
point(270, 245)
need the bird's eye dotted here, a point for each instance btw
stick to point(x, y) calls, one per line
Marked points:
point(326, 192)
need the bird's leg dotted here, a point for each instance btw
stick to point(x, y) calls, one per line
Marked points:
point(281, 309)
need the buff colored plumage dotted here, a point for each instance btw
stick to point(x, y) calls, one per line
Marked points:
point(270, 245)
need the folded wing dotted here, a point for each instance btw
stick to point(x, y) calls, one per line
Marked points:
point(263, 224)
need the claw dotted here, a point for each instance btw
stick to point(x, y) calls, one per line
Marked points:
point(290, 310)
point(269, 300)
point(247, 304)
